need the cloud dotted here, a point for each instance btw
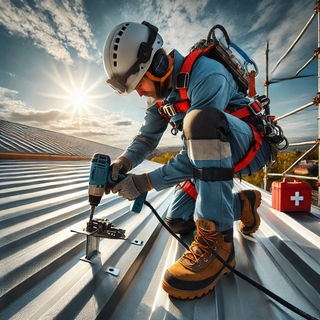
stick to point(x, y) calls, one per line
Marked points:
point(268, 10)
point(94, 134)
point(123, 123)
point(181, 23)
point(307, 130)
point(106, 130)
point(9, 101)
point(14, 109)
point(6, 93)
point(39, 116)
point(53, 26)
point(113, 129)
point(7, 73)
point(282, 27)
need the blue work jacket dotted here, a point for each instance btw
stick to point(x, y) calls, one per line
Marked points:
point(211, 84)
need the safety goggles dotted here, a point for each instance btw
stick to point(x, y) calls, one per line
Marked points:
point(118, 85)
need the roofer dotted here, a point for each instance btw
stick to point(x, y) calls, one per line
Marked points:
point(213, 141)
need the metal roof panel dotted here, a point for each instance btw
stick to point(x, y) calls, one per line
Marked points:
point(42, 276)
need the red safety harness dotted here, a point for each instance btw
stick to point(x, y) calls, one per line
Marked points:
point(182, 82)
point(183, 106)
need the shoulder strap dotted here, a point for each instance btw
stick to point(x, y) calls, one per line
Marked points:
point(183, 76)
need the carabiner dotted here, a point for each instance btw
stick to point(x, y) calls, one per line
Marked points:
point(212, 36)
point(285, 146)
point(174, 131)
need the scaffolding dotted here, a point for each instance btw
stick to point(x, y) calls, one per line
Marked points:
point(315, 101)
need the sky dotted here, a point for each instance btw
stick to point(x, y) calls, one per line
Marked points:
point(52, 75)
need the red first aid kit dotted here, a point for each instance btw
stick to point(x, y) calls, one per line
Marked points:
point(291, 196)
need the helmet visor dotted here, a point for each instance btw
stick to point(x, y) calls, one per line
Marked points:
point(117, 85)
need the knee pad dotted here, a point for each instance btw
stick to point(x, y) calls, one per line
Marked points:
point(205, 123)
point(205, 131)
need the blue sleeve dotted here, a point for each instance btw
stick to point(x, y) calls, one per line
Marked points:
point(148, 138)
point(175, 171)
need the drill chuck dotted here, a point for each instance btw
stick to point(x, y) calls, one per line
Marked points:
point(94, 200)
point(95, 194)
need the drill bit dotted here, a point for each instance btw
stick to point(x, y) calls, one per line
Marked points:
point(91, 213)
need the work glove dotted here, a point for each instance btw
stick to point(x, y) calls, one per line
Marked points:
point(121, 165)
point(132, 186)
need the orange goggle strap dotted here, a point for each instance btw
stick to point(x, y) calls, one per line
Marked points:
point(153, 78)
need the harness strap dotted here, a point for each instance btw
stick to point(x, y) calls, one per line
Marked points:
point(186, 69)
point(182, 106)
point(257, 141)
point(245, 111)
point(190, 189)
point(213, 174)
point(239, 113)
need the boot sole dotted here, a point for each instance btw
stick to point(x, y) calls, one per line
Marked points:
point(244, 229)
point(180, 294)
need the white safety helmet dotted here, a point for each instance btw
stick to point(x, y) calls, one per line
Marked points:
point(128, 53)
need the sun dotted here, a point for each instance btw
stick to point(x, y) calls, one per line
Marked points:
point(79, 99)
point(77, 92)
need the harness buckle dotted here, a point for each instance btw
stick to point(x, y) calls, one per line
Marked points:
point(182, 80)
point(161, 111)
point(258, 106)
point(170, 110)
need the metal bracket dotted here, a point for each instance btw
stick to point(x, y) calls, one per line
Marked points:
point(137, 242)
point(113, 271)
point(92, 245)
point(99, 228)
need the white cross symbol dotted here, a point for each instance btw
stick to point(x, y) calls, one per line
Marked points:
point(297, 198)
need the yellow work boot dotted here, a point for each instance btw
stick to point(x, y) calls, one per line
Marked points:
point(250, 220)
point(198, 270)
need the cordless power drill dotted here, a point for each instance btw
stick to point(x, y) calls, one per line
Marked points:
point(100, 182)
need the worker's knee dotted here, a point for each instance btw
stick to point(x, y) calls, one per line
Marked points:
point(205, 123)
point(205, 132)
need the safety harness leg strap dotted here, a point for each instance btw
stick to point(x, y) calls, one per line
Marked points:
point(206, 174)
point(190, 189)
point(213, 174)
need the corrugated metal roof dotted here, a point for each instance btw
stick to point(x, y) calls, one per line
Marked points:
point(42, 276)
point(20, 138)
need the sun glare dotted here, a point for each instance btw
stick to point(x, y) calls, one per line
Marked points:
point(79, 99)
point(78, 94)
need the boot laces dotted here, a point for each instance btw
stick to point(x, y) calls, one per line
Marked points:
point(210, 239)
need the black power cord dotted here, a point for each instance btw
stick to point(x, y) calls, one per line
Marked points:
point(241, 275)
